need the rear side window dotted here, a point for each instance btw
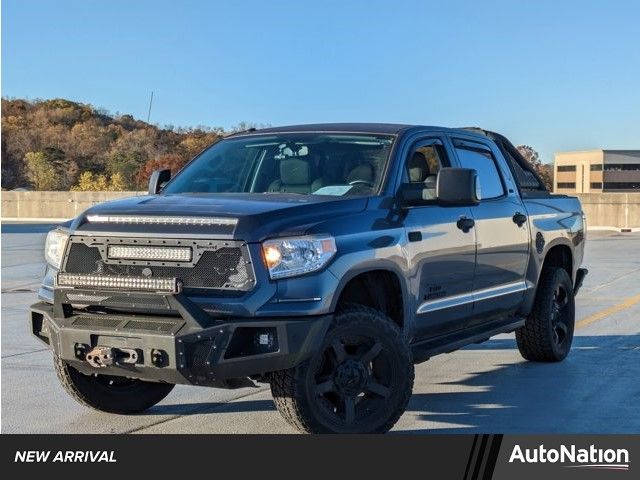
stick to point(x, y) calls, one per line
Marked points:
point(488, 175)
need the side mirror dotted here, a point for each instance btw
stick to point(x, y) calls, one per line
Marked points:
point(457, 186)
point(158, 179)
point(412, 194)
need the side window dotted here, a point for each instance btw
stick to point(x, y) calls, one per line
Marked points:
point(488, 175)
point(423, 165)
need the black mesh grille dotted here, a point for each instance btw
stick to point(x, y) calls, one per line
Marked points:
point(97, 322)
point(112, 322)
point(151, 326)
point(198, 354)
point(118, 300)
point(221, 268)
point(83, 259)
point(150, 301)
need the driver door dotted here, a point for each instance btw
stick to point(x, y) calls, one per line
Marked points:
point(442, 256)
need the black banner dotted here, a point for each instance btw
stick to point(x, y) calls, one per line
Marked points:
point(467, 457)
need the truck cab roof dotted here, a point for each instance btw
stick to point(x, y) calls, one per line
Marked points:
point(357, 127)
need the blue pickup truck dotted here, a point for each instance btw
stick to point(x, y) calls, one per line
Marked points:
point(325, 260)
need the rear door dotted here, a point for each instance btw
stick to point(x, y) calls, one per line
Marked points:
point(501, 229)
point(441, 255)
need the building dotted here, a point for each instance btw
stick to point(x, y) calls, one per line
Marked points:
point(597, 171)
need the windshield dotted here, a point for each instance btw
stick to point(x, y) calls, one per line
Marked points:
point(301, 163)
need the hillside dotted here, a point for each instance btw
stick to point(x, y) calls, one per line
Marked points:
point(59, 144)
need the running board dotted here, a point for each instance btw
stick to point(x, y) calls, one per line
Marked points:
point(451, 342)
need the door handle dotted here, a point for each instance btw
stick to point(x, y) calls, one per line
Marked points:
point(415, 236)
point(519, 218)
point(465, 224)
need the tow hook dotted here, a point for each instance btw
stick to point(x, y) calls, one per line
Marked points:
point(100, 357)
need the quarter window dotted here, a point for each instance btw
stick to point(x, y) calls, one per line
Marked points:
point(488, 175)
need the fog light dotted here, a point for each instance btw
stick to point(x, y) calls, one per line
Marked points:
point(248, 341)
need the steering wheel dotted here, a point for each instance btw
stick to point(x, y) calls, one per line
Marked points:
point(361, 182)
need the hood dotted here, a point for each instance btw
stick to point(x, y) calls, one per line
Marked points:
point(258, 215)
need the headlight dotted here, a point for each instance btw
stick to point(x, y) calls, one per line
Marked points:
point(54, 247)
point(288, 257)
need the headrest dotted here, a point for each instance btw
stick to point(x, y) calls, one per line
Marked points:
point(295, 171)
point(361, 172)
point(418, 167)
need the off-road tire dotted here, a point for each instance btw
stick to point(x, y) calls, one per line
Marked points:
point(538, 339)
point(123, 397)
point(294, 391)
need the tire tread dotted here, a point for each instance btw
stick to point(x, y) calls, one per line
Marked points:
point(534, 338)
point(292, 404)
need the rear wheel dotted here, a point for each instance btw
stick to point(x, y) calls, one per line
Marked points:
point(359, 382)
point(110, 393)
point(548, 332)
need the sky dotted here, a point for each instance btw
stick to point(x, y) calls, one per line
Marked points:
point(556, 75)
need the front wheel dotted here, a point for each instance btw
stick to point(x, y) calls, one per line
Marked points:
point(359, 382)
point(548, 332)
point(109, 393)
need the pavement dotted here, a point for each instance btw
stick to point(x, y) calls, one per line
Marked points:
point(482, 388)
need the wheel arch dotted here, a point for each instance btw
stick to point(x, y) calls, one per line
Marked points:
point(382, 287)
point(558, 253)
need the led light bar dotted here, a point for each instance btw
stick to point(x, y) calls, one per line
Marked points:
point(169, 254)
point(162, 220)
point(167, 285)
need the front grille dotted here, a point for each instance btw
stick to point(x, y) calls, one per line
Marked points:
point(149, 325)
point(198, 355)
point(147, 301)
point(119, 300)
point(221, 267)
point(124, 323)
point(97, 322)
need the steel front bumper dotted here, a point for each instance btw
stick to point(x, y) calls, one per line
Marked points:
point(192, 348)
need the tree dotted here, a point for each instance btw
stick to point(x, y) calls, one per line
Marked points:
point(118, 184)
point(89, 182)
point(126, 165)
point(76, 137)
point(42, 173)
point(544, 170)
point(172, 161)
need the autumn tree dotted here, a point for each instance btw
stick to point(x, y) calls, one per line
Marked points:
point(42, 173)
point(89, 182)
point(545, 171)
point(172, 161)
point(71, 138)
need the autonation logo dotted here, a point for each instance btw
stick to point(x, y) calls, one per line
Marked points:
point(574, 457)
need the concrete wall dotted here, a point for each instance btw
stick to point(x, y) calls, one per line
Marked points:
point(619, 210)
point(54, 205)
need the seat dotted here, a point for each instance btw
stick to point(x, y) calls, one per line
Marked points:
point(361, 173)
point(296, 176)
point(419, 172)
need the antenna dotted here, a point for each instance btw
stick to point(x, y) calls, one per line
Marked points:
point(150, 103)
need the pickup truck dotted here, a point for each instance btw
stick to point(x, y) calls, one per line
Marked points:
point(325, 260)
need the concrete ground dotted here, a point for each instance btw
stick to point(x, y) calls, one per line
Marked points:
point(482, 388)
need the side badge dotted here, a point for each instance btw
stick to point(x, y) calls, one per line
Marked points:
point(539, 242)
